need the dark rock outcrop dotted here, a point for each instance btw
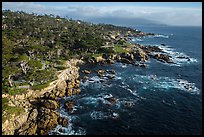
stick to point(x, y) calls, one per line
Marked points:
point(50, 95)
point(50, 104)
point(85, 78)
point(124, 60)
point(149, 49)
point(111, 71)
point(110, 99)
point(69, 105)
point(47, 119)
point(140, 55)
point(28, 128)
point(110, 61)
point(63, 121)
point(111, 76)
point(163, 58)
point(86, 71)
point(100, 71)
point(143, 65)
point(127, 56)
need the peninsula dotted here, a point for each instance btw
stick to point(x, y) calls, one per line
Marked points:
point(41, 56)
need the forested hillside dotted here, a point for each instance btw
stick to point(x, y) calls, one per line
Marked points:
point(35, 46)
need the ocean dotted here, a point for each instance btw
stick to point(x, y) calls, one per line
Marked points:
point(154, 100)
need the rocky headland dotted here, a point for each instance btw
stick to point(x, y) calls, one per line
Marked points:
point(87, 43)
point(40, 106)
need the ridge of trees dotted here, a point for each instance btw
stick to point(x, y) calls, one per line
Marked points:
point(35, 46)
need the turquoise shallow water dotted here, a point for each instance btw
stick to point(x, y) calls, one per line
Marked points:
point(157, 97)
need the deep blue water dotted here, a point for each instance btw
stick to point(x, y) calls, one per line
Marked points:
point(159, 101)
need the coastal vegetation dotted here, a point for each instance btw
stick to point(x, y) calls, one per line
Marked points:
point(40, 57)
point(34, 46)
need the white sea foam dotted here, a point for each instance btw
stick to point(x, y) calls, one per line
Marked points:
point(96, 81)
point(127, 88)
point(98, 115)
point(161, 36)
point(137, 39)
point(69, 129)
point(95, 115)
point(89, 100)
point(101, 98)
point(124, 66)
point(118, 77)
point(166, 83)
point(177, 57)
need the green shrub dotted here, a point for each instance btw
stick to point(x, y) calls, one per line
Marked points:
point(60, 67)
point(41, 86)
point(9, 110)
point(96, 55)
point(15, 91)
point(119, 49)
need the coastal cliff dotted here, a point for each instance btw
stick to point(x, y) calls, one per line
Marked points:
point(40, 65)
point(47, 99)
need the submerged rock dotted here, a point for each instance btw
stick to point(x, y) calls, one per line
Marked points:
point(69, 105)
point(111, 76)
point(85, 78)
point(110, 99)
point(63, 121)
point(111, 71)
point(143, 65)
point(129, 104)
point(115, 115)
point(100, 71)
point(86, 71)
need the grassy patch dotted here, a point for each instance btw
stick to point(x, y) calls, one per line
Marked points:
point(119, 49)
point(41, 86)
point(96, 55)
point(127, 44)
point(91, 55)
point(9, 110)
point(15, 91)
point(60, 67)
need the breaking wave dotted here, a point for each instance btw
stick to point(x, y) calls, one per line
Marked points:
point(166, 83)
point(70, 129)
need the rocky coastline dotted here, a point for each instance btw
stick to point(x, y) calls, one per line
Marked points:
point(137, 55)
point(40, 115)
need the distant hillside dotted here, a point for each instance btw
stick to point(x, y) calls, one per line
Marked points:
point(125, 21)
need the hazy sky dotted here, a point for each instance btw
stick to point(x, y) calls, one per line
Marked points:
point(170, 13)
